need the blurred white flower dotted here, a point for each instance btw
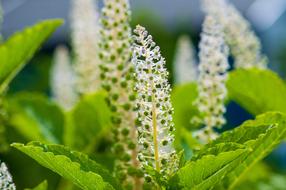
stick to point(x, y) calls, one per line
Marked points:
point(212, 76)
point(6, 181)
point(63, 79)
point(185, 62)
point(85, 28)
point(244, 44)
point(154, 105)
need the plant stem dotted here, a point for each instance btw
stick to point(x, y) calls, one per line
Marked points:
point(155, 138)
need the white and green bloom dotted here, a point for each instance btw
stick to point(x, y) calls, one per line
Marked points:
point(185, 62)
point(84, 30)
point(63, 79)
point(212, 77)
point(118, 80)
point(244, 44)
point(6, 181)
point(154, 109)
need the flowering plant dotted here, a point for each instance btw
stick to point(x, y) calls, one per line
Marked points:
point(114, 120)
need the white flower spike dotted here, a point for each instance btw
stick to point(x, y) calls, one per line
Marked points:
point(154, 106)
point(212, 77)
point(6, 181)
point(185, 62)
point(84, 28)
point(244, 44)
point(63, 79)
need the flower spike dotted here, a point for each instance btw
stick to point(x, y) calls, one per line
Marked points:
point(212, 77)
point(154, 106)
point(118, 80)
point(6, 182)
point(244, 44)
point(185, 63)
point(62, 79)
point(85, 27)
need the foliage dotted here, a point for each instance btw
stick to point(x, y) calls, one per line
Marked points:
point(41, 186)
point(258, 91)
point(72, 165)
point(14, 55)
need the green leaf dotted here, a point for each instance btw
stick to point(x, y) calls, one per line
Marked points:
point(72, 165)
point(87, 122)
point(205, 172)
point(183, 97)
point(232, 154)
point(262, 135)
point(41, 186)
point(258, 91)
point(19, 48)
point(36, 117)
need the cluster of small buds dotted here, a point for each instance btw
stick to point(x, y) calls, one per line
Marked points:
point(185, 62)
point(63, 79)
point(212, 77)
point(154, 109)
point(84, 28)
point(6, 182)
point(118, 80)
point(244, 44)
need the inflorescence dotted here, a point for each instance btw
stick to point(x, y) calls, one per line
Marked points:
point(6, 182)
point(212, 77)
point(244, 44)
point(185, 62)
point(154, 109)
point(63, 79)
point(118, 80)
point(85, 27)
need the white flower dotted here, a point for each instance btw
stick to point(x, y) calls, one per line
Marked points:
point(84, 28)
point(154, 106)
point(62, 79)
point(6, 181)
point(244, 44)
point(185, 63)
point(117, 79)
point(212, 76)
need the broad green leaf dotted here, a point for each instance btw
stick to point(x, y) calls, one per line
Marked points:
point(250, 181)
point(36, 117)
point(258, 91)
point(205, 172)
point(41, 186)
point(87, 122)
point(262, 135)
point(274, 182)
point(183, 97)
point(72, 165)
point(19, 48)
point(17, 51)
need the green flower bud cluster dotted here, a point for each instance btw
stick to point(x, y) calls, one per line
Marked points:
point(212, 77)
point(118, 80)
point(244, 44)
point(154, 109)
point(6, 182)
point(85, 28)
